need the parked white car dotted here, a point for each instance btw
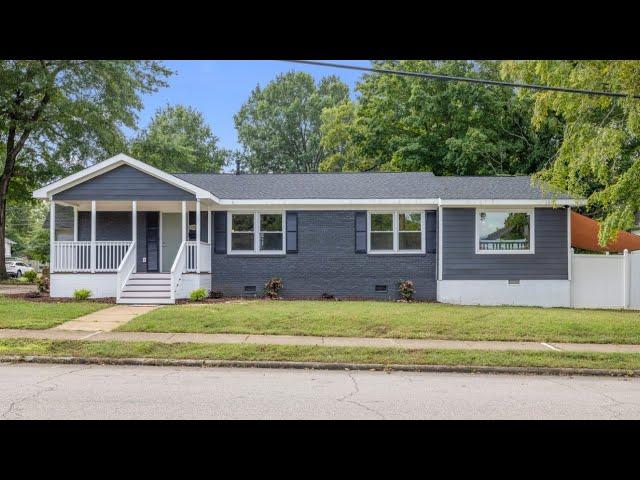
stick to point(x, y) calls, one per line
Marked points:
point(16, 268)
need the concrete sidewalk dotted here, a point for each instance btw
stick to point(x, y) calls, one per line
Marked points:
point(105, 320)
point(66, 334)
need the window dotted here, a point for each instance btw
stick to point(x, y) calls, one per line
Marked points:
point(256, 233)
point(396, 232)
point(504, 231)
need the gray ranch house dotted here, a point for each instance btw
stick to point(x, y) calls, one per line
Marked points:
point(125, 229)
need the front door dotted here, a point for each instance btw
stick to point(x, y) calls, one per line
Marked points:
point(153, 241)
point(171, 238)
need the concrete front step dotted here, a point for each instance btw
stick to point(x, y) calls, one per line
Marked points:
point(149, 281)
point(150, 276)
point(146, 301)
point(146, 293)
point(146, 288)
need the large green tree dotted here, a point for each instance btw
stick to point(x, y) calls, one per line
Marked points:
point(178, 139)
point(279, 125)
point(56, 116)
point(599, 157)
point(450, 128)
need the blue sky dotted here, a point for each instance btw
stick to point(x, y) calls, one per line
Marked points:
point(218, 88)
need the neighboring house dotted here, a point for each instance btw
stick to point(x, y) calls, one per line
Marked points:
point(142, 235)
point(7, 246)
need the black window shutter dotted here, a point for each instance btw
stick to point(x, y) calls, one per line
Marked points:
point(292, 232)
point(220, 232)
point(361, 232)
point(431, 221)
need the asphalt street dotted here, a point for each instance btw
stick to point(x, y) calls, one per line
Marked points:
point(38, 391)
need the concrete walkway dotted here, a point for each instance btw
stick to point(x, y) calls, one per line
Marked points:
point(98, 335)
point(105, 320)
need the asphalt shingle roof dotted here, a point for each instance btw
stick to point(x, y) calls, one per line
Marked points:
point(376, 185)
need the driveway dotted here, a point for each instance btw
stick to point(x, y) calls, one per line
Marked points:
point(30, 391)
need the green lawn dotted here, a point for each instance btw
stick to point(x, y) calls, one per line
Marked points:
point(391, 319)
point(16, 313)
point(619, 361)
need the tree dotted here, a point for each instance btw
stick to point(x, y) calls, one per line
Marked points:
point(179, 140)
point(56, 116)
point(449, 128)
point(279, 126)
point(599, 157)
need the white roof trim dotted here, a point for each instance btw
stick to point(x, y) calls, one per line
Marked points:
point(507, 202)
point(404, 201)
point(114, 162)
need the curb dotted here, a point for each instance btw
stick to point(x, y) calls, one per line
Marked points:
point(162, 362)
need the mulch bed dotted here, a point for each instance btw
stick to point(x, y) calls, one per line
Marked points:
point(45, 298)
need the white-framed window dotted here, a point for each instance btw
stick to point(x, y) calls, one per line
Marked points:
point(256, 233)
point(395, 232)
point(505, 231)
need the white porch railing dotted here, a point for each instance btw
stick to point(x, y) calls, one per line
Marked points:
point(110, 254)
point(193, 250)
point(69, 256)
point(178, 268)
point(125, 269)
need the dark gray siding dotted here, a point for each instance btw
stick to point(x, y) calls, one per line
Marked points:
point(460, 262)
point(115, 226)
point(326, 262)
point(109, 226)
point(124, 183)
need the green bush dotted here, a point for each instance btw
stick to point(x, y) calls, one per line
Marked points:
point(82, 294)
point(198, 294)
point(42, 281)
point(30, 276)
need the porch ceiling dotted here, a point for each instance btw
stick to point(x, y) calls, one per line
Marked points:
point(141, 205)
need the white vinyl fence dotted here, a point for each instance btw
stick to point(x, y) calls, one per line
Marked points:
point(605, 281)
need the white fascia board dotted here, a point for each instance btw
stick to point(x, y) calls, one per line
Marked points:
point(512, 203)
point(46, 192)
point(399, 201)
point(346, 201)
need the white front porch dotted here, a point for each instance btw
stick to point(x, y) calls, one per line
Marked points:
point(169, 256)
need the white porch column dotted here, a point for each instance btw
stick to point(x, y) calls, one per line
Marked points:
point(75, 224)
point(93, 236)
point(198, 235)
point(134, 230)
point(52, 234)
point(134, 221)
point(209, 226)
point(184, 221)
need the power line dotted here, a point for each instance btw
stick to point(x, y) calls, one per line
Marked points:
point(449, 78)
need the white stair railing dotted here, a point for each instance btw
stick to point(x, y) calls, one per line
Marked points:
point(178, 268)
point(125, 269)
point(192, 256)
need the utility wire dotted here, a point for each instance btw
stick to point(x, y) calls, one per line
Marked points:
point(449, 78)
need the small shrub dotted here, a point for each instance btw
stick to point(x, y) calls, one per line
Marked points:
point(30, 276)
point(407, 290)
point(198, 294)
point(82, 294)
point(272, 288)
point(327, 296)
point(215, 294)
point(42, 282)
